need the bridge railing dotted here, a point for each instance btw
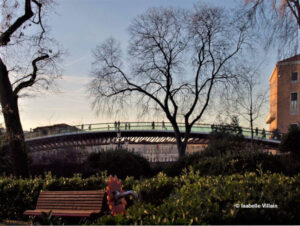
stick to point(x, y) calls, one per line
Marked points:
point(137, 126)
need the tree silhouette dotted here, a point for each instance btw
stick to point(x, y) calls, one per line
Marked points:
point(28, 57)
point(278, 21)
point(246, 96)
point(175, 59)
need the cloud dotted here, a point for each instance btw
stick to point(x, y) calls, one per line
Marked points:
point(75, 61)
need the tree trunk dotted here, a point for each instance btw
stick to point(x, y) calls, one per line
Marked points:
point(251, 127)
point(181, 146)
point(14, 130)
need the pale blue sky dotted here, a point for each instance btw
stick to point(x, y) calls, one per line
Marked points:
point(79, 25)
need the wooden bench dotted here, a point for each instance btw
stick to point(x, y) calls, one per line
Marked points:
point(68, 203)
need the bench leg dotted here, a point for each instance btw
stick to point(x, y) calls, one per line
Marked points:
point(32, 219)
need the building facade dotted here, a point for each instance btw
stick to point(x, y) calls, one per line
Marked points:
point(54, 129)
point(284, 94)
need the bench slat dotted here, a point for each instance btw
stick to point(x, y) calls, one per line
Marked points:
point(62, 213)
point(68, 205)
point(72, 196)
point(69, 208)
point(74, 192)
point(71, 201)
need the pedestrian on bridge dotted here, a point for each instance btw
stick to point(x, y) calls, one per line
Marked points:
point(263, 133)
point(163, 125)
point(256, 131)
point(153, 125)
point(118, 125)
point(115, 125)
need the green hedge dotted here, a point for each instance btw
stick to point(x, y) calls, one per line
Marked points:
point(187, 199)
point(118, 162)
point(212, 200)
point(18, 195)
point(235, 162)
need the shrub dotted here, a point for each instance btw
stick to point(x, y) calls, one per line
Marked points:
point(212, 199)
point(233, 162)
point(18, 195)
point(291, 140)
point(119, 162)
point(188, 199)
point(175, 169)
point(225, 138)
point(5, 162)
point(58, 168)
point(156, 189)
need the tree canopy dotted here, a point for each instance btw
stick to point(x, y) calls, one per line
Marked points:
point(278, 21)
point(174, 60)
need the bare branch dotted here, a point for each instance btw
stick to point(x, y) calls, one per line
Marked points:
point(5, 37)
point(32, 76)
point(280, 21)
point(175, 58)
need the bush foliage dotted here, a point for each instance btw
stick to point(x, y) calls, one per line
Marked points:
point(119, 162)
point(234, 162)
point(187, 199)
point(212, 199)
point(291, 140)
point(5, 162)
point(225, 138)
point(18, 195)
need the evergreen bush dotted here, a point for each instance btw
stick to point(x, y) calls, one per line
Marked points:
point(291, 140)
point(118, 162)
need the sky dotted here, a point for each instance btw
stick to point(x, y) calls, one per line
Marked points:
point(80, 25)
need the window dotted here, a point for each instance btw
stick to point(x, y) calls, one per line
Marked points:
point(294, 77)
point(294, 103)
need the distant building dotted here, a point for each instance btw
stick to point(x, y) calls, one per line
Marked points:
point(54, 129)
point(284, 94)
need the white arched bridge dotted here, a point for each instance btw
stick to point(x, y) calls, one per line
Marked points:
point(64, 136)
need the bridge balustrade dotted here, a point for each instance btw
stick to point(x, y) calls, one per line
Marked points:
point(136, 126)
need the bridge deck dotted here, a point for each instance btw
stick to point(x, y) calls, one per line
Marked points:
point(126, 130)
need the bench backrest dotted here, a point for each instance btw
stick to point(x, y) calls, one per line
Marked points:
point(71, 200)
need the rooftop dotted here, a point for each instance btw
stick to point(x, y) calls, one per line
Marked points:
point(295, 59)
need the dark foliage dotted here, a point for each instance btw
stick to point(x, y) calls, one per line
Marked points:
point(235, 162)
point(291, 140)
point(228, 154)
point(118, 162)
point(58, 168)
point(227, 137)
point(5, 161)
point(18, 195)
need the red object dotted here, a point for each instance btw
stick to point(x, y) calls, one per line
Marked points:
point(114, 186)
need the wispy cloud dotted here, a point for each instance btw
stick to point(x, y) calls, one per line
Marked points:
point(75, 61)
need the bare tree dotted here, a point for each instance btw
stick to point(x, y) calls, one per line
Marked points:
point(175, 59)
point(247, 96)
point(278, 21)
point(28, 57)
